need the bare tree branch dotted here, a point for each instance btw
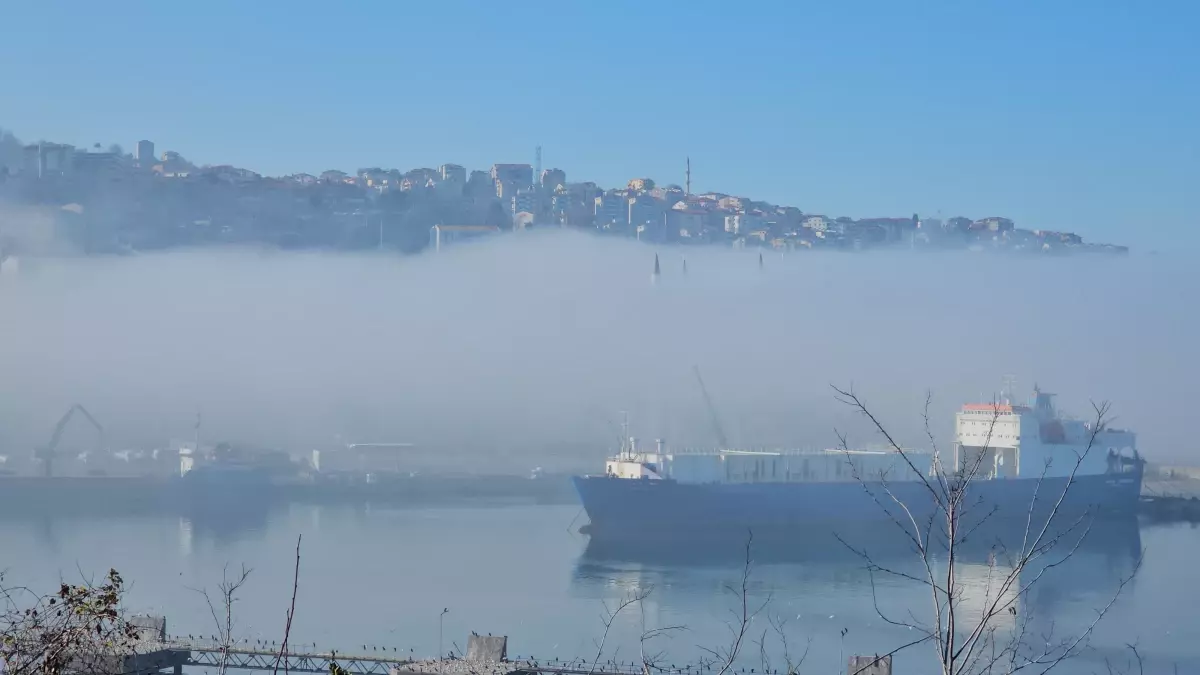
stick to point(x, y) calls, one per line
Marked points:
point(610, 617)
point(791, 666)
point(229, 588)
point(975, 647)
point(287, 628)
point(724, 657)
point(652, 661)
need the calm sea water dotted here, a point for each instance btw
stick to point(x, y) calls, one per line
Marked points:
point(378, 579)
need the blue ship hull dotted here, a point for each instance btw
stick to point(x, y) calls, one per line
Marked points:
point(620, 507)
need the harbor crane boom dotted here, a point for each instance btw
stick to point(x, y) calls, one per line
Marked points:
point(712, 411)
point(47, 453)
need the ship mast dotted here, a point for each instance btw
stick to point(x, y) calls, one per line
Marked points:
point(625, 449)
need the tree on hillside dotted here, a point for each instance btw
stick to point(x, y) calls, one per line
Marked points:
point(498, 216)
point(10, 151)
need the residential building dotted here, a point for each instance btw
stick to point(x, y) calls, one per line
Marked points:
point(453, 181)
point(506, 189)
point(741, 223)
point(893, 229)
point(958, 223)
point(144, 154)
point(49, 159)
point(670, 195)
point(586, 192)
point(525, 200)
point(1059, 237)
point(521, 175)
point(732, 203)
point(453, 172)
point(816, 223)
point(423, 177)
point(612, 208)
point(224, 173)
point(560, 203)
point(644, 209)
point(992, 224)
point(552, 178)
point(686, 223)
point(96, 162)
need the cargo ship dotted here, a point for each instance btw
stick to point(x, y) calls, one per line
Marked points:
point(1028, 456)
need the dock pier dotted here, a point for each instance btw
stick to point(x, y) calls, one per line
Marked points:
point(159, 654)
point(1170, 500)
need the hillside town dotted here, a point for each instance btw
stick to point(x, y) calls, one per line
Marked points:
point(104, 200)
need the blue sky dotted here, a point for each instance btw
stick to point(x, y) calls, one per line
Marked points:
point(1074, 115)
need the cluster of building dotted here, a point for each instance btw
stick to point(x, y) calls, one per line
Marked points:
point(520, 196)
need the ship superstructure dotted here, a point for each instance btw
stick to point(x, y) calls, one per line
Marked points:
point(1034, 440)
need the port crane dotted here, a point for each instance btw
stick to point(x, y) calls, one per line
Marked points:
point(718, 430)
point(48, 452)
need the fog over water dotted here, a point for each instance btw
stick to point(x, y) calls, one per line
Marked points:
point(520, 351)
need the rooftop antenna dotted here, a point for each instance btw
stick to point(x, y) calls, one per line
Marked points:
point(688, 182)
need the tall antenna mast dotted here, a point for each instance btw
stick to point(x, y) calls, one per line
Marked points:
point(1009, 390)
point(688, 183)
point(625, 449)
point(537, 169)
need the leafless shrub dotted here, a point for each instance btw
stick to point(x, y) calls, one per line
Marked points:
point(79, 628)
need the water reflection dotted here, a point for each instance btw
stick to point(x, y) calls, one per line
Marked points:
point(386, 574)
point(225, 523)
point(814, 580)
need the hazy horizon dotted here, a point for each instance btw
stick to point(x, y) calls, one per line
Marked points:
point(521, 350)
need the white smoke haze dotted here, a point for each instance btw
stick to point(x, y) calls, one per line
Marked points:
point(521, 350)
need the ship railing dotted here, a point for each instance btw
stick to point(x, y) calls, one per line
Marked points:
point(870, 449)
point(748, 449)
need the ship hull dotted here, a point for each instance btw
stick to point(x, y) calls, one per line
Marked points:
point(618, 508)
